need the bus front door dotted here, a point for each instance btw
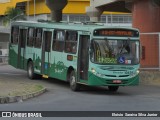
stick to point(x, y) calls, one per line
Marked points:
point(83, 57)
point(21, 48)
point(46, 54)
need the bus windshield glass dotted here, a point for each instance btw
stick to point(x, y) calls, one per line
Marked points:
point(115, 52)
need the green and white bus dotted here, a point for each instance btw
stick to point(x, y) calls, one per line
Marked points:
point(80, 53)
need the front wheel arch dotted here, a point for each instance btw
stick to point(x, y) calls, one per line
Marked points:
point(70, 69)
point(73, 81)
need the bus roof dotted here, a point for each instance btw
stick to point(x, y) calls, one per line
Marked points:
point(81, 26)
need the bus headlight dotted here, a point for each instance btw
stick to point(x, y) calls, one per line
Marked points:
point(96, 73)
point(93, 70)
point(134, 73)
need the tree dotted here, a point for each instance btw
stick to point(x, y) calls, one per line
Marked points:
point(11, 13)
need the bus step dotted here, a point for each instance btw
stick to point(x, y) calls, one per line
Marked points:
point(45, 76)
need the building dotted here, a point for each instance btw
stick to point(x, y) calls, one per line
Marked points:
point(150, 25)
point(146, 17)
point(75, 10)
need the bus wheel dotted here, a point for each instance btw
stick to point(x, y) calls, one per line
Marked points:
point(113, 88)
point(30, 71)
point(73, 83)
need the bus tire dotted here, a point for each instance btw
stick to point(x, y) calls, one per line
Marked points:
point(113, 88)
point(73, 82)
point(30, 71)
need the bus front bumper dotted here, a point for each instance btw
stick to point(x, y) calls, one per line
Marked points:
point(99, 81)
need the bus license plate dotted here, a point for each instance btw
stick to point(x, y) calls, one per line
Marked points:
point(117, 81)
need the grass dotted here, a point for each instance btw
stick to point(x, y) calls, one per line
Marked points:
point(26, 90)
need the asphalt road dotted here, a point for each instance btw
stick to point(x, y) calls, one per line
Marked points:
point(59, 97)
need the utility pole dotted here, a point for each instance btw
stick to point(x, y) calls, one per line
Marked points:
point(34, 10)
point(28, 8)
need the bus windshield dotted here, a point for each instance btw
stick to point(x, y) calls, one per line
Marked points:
point(115, 52)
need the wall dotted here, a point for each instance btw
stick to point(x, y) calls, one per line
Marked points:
point(146, 17)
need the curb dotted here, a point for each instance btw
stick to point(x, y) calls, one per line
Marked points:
point(3, 64)
point(11, 99)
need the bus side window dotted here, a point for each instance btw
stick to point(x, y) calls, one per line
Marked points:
point(71, 42)
point(58, 40)
point(30, 40)
point(38, 38)
point(14, 35)
point(48, 36)
point(22, 37)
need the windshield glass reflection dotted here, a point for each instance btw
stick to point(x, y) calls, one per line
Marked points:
point(115, 52)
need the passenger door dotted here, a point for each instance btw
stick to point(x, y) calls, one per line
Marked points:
point(38, 50)
point(21, 48)
point(83, 57)
point(13, 46)
point(46, 52)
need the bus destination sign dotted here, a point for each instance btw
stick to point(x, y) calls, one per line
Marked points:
point(116, 32)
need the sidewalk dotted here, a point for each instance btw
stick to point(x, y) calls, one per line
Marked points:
point(150, 77)
point(12, 89)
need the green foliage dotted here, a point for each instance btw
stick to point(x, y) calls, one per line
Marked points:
point(13, 14)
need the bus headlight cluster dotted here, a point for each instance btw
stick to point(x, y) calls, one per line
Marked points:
point(96, 73)
point(134, 73)
point(93, 70)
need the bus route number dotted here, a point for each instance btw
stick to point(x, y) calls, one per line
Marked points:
point(129, 72)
